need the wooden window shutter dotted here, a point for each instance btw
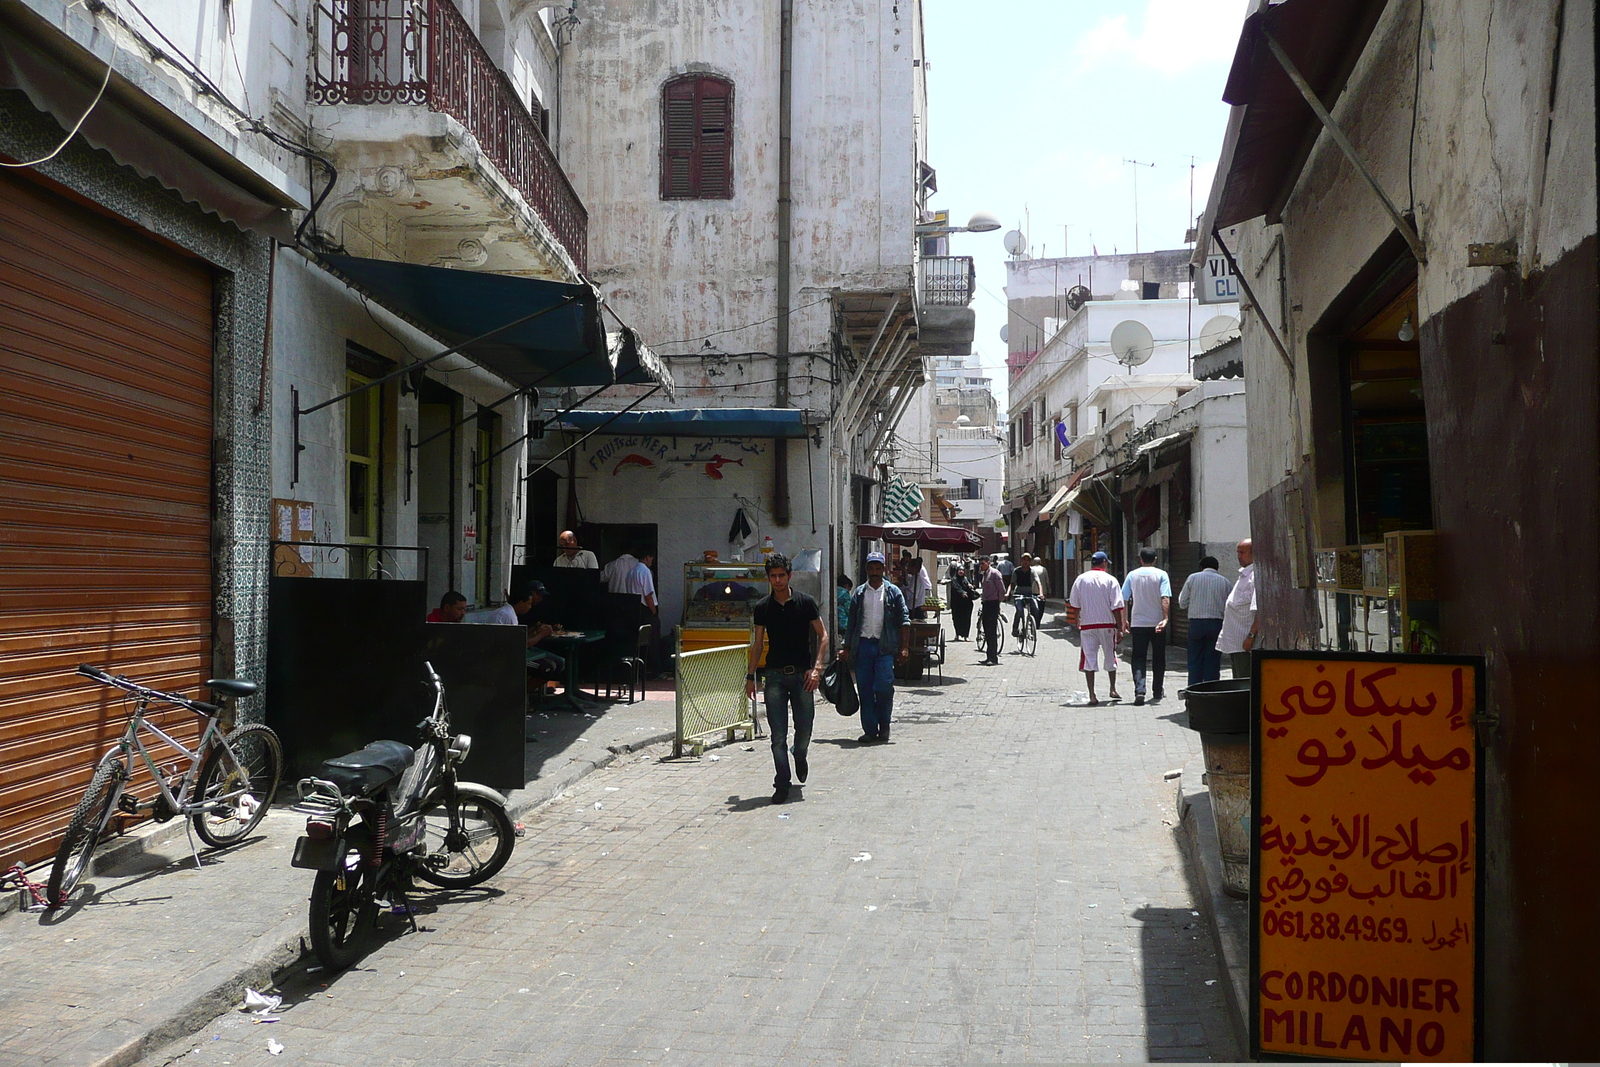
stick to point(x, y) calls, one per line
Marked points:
point(697, 139)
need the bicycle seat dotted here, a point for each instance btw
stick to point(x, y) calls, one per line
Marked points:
point(368, 770)
point(231, 687)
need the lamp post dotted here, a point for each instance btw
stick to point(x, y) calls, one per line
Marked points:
point(981, 222)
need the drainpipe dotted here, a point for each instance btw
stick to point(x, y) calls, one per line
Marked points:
point(780, 447)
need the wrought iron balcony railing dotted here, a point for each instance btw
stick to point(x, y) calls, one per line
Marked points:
point(422, 52)
point(946, 281)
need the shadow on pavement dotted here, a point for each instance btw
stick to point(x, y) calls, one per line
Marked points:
point(1184, 1017)
point(135, 870)
point(738, 803)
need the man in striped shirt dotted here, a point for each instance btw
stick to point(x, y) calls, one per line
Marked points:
point(1203, 596)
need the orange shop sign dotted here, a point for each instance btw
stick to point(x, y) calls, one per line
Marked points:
point(1365, 908)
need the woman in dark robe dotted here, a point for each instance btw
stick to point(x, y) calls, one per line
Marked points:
point(962, 594)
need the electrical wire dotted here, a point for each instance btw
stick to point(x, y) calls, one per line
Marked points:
point(74, 132)
point(736, 329)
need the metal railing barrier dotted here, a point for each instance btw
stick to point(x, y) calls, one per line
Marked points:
point(711, 697)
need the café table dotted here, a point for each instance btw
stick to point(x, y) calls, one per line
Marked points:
point(569, 645)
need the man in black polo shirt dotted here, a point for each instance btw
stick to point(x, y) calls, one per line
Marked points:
point(787, 620)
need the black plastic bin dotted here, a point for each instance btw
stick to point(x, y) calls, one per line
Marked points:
point(1221, 707)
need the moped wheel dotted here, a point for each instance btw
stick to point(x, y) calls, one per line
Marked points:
point(247, 772)
point(88, 822)
point(469, 838)
point(343, 917)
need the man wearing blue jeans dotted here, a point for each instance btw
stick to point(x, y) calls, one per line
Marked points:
point(1203, 596)
point(787, 620)
point(876, 637)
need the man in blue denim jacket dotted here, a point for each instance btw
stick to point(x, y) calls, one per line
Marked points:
point(876, 638)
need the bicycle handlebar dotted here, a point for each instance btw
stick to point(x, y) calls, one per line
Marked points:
point(118, 681)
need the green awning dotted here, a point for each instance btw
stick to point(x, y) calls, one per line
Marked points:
point(693, 422)
point(567, 345)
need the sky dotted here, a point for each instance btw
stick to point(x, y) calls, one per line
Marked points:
point(1034, 105)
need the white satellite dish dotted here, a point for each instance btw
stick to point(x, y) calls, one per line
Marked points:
point(1131, 342)
point(1014, 242)
point(1005, 334)
point(1219, 329)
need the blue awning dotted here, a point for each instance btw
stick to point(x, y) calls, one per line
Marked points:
point(695, 422)
point(566, 346)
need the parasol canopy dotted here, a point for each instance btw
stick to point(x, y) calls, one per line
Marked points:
point(922, 534)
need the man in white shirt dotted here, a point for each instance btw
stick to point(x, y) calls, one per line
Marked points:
point(631, 574)
point(1238, 634)
point(918, 586)
point(573, 556)
point(520, 603)
point(1149, 589)
point(1204, 596)
point(1098, 598)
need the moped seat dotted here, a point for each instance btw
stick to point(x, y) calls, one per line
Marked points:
point(370, 769)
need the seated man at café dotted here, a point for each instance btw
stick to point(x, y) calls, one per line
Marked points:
point(452, 608)
point(520, 603)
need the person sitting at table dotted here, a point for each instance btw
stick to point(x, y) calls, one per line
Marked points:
point(452, 608)
point(520, 603)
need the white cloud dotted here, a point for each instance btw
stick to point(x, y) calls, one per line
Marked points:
point(1172, 37)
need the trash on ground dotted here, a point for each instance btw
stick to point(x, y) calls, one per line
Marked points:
point(274, 1047)
point(862, 856)
point(783, 816)
point(260, 1003)
point(1176, 772)
point(872, 907)
point(713, 757)
point(598, 806)
point(613, 789)
point(1211, 981)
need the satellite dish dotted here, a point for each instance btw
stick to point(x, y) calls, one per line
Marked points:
point(1221, 328)
point(1014, 242)
point(1131, 342)
point(1078, 296)
point(1005, 334)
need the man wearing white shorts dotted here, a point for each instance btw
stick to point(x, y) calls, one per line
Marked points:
point(1101, 621)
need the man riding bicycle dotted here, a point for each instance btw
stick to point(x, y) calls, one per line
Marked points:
point(1027, 592)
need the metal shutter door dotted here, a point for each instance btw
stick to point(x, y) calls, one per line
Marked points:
point(105, 494)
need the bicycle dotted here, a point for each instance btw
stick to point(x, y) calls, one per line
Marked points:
point(230, 782)
point(982, 642)
point(1026, 629)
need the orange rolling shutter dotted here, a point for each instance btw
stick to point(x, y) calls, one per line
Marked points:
point(105, 493)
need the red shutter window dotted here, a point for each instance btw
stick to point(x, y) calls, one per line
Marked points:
point(697, 138)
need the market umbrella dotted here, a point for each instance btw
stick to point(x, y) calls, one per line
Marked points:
point(922, 534)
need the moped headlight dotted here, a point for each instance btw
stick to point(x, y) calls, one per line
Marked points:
point(460, 746)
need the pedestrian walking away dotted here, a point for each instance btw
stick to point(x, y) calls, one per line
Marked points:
point(1203, 596)
point(786, 621)
point(993, 587)
point(1101, 622)
point(1147, 592)
point(878, 636)
point(1238, 634)
point(962, 594)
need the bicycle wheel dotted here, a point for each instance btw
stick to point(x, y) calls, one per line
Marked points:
point(88, 822)
point(1030, 635)
point(241, 777)
point(1000, 636)
point(472, 852)
point(343, 916)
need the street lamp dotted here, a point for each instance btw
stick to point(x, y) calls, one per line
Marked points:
point(981, 222)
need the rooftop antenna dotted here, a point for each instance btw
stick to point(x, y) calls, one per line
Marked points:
point(1136, 165)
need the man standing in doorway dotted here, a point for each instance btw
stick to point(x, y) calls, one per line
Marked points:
point(993, 586)
point(630, 573)
point(1203, 596)
point(1238, 634)
point(878, 637)
point(1101, 623)
point(788, 620)
point(570, 555)
point(1149, 589)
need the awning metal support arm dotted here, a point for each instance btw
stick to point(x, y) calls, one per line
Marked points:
point(654, 390)
point(1255, 305)
point(497, 454)
point(463, 420)
point(1400, 222)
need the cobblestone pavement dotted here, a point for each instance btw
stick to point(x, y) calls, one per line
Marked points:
point(999, 884)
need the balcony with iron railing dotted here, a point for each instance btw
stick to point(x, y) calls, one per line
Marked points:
point(946, 281)
point(423, 53)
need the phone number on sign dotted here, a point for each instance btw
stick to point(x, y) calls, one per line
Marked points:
point(1331, 926)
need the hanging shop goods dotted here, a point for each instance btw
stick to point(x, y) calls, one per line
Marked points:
point(1365, 903)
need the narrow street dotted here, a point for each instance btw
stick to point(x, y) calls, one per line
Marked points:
point(1001, 883)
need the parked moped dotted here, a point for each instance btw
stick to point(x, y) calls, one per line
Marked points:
point(382, 817)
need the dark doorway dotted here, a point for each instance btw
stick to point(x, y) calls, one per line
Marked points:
point(1387, 474)
point(543, 518)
